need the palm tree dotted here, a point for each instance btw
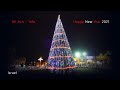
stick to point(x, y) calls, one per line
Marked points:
point(100, 58)
point(104, 58)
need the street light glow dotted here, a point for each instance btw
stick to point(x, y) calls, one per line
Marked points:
point(84, 53)
point(77, 54)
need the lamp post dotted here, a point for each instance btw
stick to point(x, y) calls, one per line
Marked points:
point(40, 59)
point(84, 54)
point(84, 58)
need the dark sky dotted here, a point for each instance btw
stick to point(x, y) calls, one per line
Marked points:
point(34, 40)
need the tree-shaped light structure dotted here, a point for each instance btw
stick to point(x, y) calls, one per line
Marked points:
point(60, 55)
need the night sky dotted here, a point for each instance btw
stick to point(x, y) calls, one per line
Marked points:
point(34, 40)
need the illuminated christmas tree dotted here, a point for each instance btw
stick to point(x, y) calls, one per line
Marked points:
point(60, 56)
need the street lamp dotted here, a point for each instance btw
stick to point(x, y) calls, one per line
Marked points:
point(40, 59)
point(84, 53)
point(84, 57)
point(77, 54)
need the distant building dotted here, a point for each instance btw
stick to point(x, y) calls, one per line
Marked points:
point(90, 60)
point(90, 57)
